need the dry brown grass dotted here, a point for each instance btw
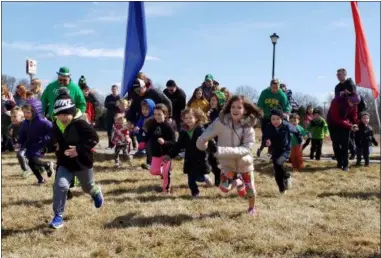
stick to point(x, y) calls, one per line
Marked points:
point(326, 214)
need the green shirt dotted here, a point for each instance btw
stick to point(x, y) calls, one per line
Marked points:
point(294, 140)
point(49, 96)
point(268, 100)
point(318, 129)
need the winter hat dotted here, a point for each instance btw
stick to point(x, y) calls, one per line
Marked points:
point(354, 98)
point(64, 71)
point(82, 81)
point(171, 83)
point(364, 114)
point(276, 112)
point(209, 77)
point(64, 104)
point(138, 83)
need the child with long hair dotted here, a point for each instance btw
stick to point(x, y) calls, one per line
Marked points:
point(278, 135)
point(36, 88)
point(35, 137)
point(236, 137)
point(121, 138)
point(20, 96)
point(195, 161)
point(161, 136)
point(198, 100)
point(307, 120)
point(364, 139)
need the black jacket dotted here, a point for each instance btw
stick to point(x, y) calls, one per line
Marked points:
point(153, 131)
point(348, 84)
point(178, 100)
point(364, 136)
point(195, 161)
point(157, 97)
point(281, 138)
point(80, 134)
point(110, 104)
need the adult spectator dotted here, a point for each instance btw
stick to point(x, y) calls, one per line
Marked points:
point(178, 99)
point(208, 86)
point(50, 93)
point(141, 93)
point(345, 84)
point(6, 96)
point(92, 104)
point(112, 108)
point(36, 88)
point(142, 76)
point(294, 105)
point(271, 97)
point(342, 119)
point(20, 96)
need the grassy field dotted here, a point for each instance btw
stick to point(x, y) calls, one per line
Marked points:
point(327, 213)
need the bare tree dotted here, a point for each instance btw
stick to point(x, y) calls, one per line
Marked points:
point(247, 91)
point(305, 99)
point(159, 87)
point(24, 82)
point(9, 81)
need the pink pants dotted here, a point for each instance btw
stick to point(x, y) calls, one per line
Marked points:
point(161, 168)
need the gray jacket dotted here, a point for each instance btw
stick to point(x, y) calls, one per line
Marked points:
point(235, 142)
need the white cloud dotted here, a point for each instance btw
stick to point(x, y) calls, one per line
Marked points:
point(69, 25)
point(79, 33)
point(67, 50)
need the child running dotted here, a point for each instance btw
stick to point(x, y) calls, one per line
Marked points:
point(364, 139)
point(147, 106)
point(198, 101)
point(121, 138)
point(161, 136)
point(318, 129)
point(74, 140)
point(236, 136)
point(35, 137)
point(278, 135)
point(195, 161)
point(296, 147)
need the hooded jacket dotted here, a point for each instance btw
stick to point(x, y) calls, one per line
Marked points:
point(80, 134)
point(142, 119)
point(235, 142)
point(364, 137)
point(50, 94)
point(35, 134)
point(348, 84)
point(340, 114)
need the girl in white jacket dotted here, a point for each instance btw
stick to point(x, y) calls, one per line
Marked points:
point(236, 137)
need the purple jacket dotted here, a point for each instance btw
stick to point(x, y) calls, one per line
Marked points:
point(35, 134)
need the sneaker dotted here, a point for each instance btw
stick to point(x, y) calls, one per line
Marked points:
point(287, 183)
point(50, 169)
point(146, 166)
point(208, 181)
point(98, 199)
point(41, 182)
point(57, 222)
point(69, 195)
point(352, 157)
point(27, 173)
point(196, 196)
point(117, 165)
point(345, 169)
point(259, 153)
point(366, 165)
point(252, 211)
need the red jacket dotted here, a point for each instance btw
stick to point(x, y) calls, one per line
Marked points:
point(90, 111)
point(340, 114)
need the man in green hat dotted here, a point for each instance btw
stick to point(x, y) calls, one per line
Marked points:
point(209, 86)
point(50, 93)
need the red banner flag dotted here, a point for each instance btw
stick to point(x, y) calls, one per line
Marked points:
point(364, 74)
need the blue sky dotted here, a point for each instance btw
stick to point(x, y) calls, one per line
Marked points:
point(187, 40)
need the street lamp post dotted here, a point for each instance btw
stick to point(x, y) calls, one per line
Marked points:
point(274, 39)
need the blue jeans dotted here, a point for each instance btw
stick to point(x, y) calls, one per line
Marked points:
point(62, 184)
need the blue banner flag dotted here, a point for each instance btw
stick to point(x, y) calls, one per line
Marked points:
point(136, 45)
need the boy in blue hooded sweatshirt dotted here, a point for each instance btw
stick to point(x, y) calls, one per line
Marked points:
point(147, 106)
point(35, 137)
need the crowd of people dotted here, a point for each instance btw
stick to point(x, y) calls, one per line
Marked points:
point(213, 131)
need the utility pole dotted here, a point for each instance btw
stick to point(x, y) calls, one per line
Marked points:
point(324, 104)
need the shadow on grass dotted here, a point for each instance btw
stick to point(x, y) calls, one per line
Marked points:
point(315, 252)
point(355, 195)
point(38, 204)
point(117, 182)
point(132, 220)
point(138, 190)
point(42, 228)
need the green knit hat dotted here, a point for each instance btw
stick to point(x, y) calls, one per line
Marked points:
point(64, 71)
point(82, 80)
point(209, 77)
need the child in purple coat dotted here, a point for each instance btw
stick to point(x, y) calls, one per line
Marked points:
point(34, 137)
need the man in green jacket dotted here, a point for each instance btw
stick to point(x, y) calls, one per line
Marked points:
point(50, 93)
point(272, 97)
